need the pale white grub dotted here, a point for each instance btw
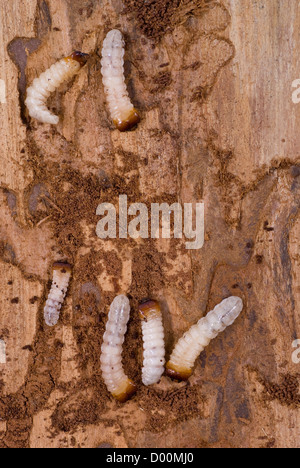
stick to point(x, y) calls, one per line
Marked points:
point(47, 82)
point(153, 342)
point(117, 383)
point(61, 278)
point(193, 342)
point(122, 111)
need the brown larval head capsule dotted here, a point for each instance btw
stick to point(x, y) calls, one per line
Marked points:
point(122, 394)
point(132, 119)
point(149, 308)
point(181, 374)
point(63, 267)
point(80, 57)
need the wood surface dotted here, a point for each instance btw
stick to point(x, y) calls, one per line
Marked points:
point(218, 125)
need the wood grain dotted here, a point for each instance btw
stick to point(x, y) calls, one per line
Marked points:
point(219, 126)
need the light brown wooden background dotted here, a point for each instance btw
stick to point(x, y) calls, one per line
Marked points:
point(238, 150)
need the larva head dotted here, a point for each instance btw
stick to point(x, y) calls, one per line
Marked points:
point(177, 373)
point(80, 57)
point(125, 391)
point(149, 308)
point(128, 121)
point(63, 268)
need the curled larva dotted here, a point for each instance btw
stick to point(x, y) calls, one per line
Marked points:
point(61, 277)
point(47, 82)
point(117, 383)
point(153, 339)
point(122, 112)
point(198, 337)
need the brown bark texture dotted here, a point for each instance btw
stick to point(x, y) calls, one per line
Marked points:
point(213, 81)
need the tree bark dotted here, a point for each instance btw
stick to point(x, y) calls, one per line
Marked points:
point(214, 84)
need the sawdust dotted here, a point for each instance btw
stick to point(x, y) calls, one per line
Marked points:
point(167, 408)
point(157, 17)
point(61, 193)
point(286, 392)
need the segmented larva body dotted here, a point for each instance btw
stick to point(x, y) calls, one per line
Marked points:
point(47, 82)
point(122, 111)
point(153, 339)
point(117, 383)
point(198, 337)
point(61, 278)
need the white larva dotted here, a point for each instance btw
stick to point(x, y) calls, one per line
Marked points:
point(198, 337)
point(153, 339)
point(122, 111)
point(47, 82)
point(61, 278)
point(117, 383)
